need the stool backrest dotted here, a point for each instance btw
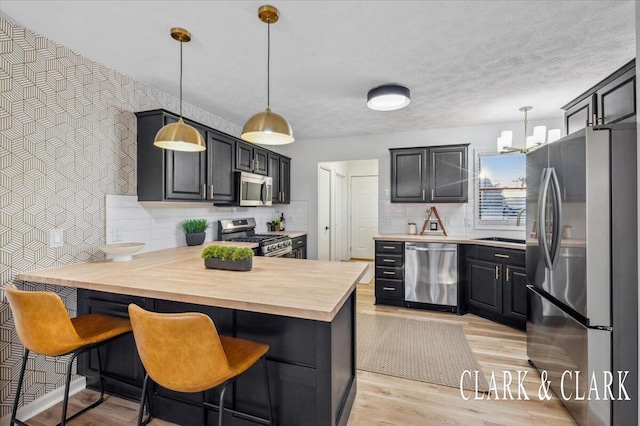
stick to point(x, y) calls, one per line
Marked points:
point(42, 322)
point(181, 352)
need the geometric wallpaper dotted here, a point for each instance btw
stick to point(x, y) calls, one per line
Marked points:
point(67, 138)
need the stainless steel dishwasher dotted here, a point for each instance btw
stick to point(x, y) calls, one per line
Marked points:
point(431, 274)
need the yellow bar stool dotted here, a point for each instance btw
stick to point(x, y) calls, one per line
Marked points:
point(44, 327)
point(184, 353)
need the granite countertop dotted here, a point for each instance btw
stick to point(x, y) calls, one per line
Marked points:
point(299, 288)
point(449, 239)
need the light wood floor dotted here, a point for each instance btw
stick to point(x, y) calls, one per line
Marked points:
point(386, 400)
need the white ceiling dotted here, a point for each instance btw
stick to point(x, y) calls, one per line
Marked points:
point(466, 62)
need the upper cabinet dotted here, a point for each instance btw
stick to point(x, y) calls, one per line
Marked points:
point(429, 174)
point(199, 176)
point(250, 158)
point(613, 100)
point(280, 172)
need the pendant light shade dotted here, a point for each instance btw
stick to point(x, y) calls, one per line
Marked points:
point(180, 136)
point(267, 127)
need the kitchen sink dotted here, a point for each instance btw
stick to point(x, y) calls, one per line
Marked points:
point(502, 240)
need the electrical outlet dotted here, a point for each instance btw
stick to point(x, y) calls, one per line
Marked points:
point(56, 238)
point(116, 234)
point(447, 221)
point(468, 222)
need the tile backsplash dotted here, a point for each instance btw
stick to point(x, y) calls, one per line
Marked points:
point(157, 223)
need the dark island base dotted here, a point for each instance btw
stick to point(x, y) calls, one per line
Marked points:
point(311, 364)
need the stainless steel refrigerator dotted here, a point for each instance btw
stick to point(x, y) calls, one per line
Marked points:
point(582, 270)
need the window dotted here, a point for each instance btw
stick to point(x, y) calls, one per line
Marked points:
point(501, 190)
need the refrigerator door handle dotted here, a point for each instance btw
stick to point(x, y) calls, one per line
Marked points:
point(542, 216)
point(557, 219)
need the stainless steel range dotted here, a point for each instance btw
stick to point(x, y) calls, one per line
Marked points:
point(243, 230)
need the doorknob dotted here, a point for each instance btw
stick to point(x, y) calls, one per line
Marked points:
point(326, 228)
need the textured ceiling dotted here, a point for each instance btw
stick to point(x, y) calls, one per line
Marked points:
point(466, 62)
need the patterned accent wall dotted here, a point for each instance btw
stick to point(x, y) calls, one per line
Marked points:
point(67, 138)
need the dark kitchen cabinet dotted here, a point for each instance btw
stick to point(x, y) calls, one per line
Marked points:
point(429, 174)
point(250, 158)
point(165, 174)
point(221, 152)
point(389, 273)
point(448, 179)
point(613, 100)
point(280, 172)
point(496, 286)
point(299, 247)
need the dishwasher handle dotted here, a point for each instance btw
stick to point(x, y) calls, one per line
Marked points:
point(430, 249)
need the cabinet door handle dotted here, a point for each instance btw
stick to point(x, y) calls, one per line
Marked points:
point(388, 247)
point(389, 288)
point(506, 278)
point(204, 190)
point(257, 164)
point(389, 260)
point(497, 272)
point(211, 191)
point(423, 195)
point(388, 273)
point(433, 192)
point(504, 256)
point(252, 163)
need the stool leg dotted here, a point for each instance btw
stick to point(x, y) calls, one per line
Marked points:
point(221, 406)
point(143, 401)
point(15, 404)
point(205, 410)
point(266, 381)
point(100, 375)
point(65, 402)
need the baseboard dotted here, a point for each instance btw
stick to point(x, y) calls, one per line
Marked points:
point(45, 402)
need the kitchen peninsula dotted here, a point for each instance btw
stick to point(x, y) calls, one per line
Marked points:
point(304, 309)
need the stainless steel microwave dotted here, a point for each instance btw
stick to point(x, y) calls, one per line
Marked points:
point(253, 190)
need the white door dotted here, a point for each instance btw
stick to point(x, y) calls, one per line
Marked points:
point(324, 214)
point(364, 215)
point(339, 217)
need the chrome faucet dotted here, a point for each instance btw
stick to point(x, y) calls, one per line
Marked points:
point(520, 216)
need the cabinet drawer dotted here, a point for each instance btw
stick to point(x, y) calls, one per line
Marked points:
point(389, 273)
point(495, 254)
point(392, 247)
point(389, 260)
point(389, 289)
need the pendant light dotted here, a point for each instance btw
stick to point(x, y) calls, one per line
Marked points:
point(268, 128)
point(529, 143)
point(180, 136)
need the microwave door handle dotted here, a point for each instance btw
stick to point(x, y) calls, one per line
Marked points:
point(542, 216)
point(557, 219)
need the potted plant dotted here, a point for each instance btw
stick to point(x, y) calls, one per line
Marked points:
point(194, 230)
point(228, 257)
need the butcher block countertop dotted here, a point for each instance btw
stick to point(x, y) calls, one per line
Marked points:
point(299, 288)
point(290, 234)
point(449, 239)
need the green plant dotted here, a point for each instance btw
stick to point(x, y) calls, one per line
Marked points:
point(194, 226)
point(227, 253)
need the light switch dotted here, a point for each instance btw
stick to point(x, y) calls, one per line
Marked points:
point(56, 237)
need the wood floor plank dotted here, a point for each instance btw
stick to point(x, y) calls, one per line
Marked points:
point(385, 400)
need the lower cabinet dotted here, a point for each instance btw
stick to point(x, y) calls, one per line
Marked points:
point(299, 247)
point(496, 285)
point(389, 274)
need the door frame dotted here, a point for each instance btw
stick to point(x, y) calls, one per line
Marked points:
point(331, 229)
point(339, 240)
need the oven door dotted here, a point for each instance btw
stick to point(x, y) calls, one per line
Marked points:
point(253, 190)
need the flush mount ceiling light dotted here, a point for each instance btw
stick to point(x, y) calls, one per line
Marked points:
point(529, 143)
point(180, 136)
point(268, 128)
point(388, 97)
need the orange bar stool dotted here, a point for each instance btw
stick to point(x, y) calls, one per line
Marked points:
point(44, 327)
point(184, 353)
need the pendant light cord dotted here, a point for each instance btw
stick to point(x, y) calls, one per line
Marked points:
point(268, 62)
point(181, 79)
